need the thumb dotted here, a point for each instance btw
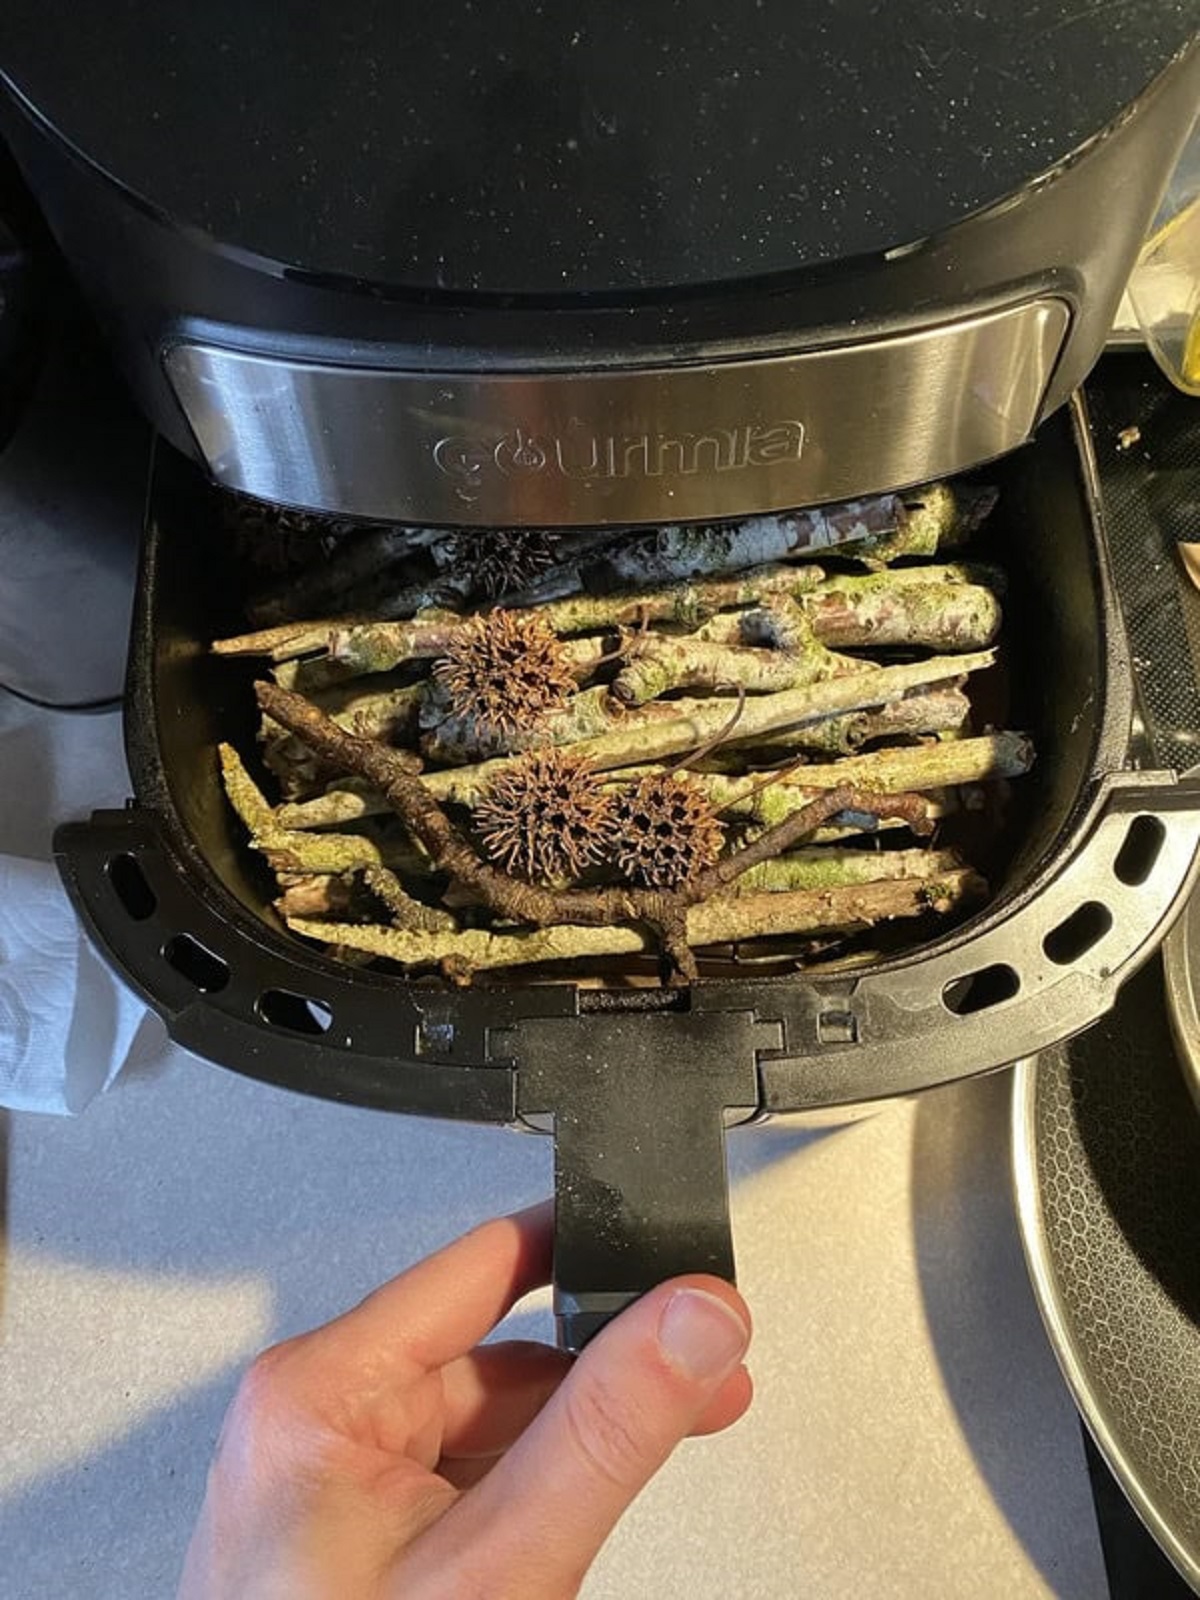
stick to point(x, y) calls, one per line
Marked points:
point(667, 1365)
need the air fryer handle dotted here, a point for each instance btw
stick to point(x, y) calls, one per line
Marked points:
point(639, 1104)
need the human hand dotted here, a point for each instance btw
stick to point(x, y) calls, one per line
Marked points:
point(389, 1455)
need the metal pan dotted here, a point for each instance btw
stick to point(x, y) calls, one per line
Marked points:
point(1106, 1154)
point(1181, 971)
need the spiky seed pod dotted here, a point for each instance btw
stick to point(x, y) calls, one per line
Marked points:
point(277, 540)
point(545, 818)
point(503, 561)
point(666, 830)
point(506, 671)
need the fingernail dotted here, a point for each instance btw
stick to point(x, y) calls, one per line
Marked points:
point(699, 1334)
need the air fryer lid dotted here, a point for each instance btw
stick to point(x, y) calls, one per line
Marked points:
point(569, 148)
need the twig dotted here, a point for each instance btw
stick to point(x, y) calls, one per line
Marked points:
point(324, 582)
point(316, 895)
point(374, 646)
point(285, 642)
point(694, 757)
point(429, 825)
point(684, 552)
point(915, 769)
point(721, 921)
point(658, 664)
point(407, 913)
point(942, 765)
point(873, 612)
point(940, 709)
point(681, 725)
point(308, 853)
point(462, 741)
point(774, 841)
point(826, 868)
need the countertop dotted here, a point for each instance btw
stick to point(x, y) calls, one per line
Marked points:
point(911, 1435)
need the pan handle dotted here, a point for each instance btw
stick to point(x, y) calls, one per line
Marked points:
point(639, 1103)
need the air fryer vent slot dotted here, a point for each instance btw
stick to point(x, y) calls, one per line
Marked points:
point(1076, 934)
point(199, 966)
point(294, 1013)
point(979, 991)
point(130, 886)
point(1136, 857)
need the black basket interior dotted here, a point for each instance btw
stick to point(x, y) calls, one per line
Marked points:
point(1063, 678)
point(1056, 679)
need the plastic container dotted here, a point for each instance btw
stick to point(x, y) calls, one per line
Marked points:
point(1164, 289)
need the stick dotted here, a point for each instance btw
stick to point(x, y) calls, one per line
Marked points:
point(882, 611)
point(913, 770)
point(943, 765)
point(457, 741)
point(919, 714)
point(723, 921)
point(324, 582)
point(285, 642)
point(902, 771)
point(657, 663)
point(917, 525)
point(285, 851)
point(316, 895)
point(308, 853)
point(390, 715)
point(826, 868)
point(409, 914)
point(679, 553)
point(690, 723)
point(962, 616)
point(373, 645)
point(875, 532)
point(244, 795)
point(514, 900)
point(937, 517)
point(342, 806)
point(464, 566)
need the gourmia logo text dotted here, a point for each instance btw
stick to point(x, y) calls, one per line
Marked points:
point(591, 457)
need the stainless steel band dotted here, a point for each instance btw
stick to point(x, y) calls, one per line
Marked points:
point(623, 445)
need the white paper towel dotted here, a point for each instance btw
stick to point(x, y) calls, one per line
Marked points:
point(66, 1024)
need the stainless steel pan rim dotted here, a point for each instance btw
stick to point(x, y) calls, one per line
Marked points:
point(1180, 956)
point(1067, 1349)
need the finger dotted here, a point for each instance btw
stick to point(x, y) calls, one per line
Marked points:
point(731, 1401)
point(464, 1472)
point(642, 1384)
point(472, 1465)
point(442, 1306)
point(491, 1395)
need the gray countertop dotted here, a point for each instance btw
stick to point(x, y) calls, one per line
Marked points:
point(910, 1436)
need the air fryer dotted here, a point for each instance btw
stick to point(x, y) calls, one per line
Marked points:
point(679, 264)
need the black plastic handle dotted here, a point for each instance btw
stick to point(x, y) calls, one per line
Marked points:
point(639, 1105)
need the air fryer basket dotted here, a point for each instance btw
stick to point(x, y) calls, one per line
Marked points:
point(640, 1084)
